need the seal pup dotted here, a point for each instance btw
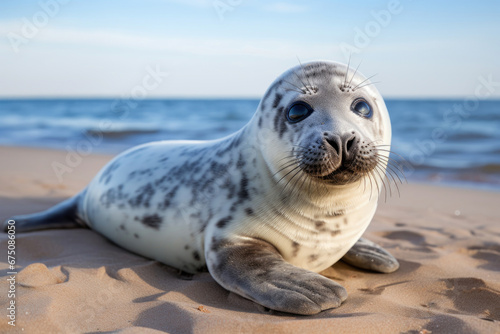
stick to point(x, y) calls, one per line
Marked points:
point(264, 209)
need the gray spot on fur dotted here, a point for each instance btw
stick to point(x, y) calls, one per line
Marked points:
point(143, 196)
point(334, 233)
point(313, 257)
point(224, 221)
point(167, 201)
point(153, 221)
point(243, 193)
point(295, 248)
point(277, 100)
point(319, 224)
point(269, 93)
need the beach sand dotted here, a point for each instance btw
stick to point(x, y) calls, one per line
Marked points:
point(71, 281)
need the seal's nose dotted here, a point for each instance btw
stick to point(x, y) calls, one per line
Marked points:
point(344, 146)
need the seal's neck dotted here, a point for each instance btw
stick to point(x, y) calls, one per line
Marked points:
point(314, 197)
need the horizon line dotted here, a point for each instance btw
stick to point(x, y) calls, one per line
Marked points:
point(203, 97)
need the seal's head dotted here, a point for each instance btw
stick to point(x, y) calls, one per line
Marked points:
point(325, 121)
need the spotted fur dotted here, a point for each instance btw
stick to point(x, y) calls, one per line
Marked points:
point(263, 209)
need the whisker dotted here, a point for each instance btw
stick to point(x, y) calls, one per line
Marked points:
point(368, 84)
point(301, 90)
point(383, 172)
point(371, 185)
point(294, 175)
point(293, 90)
point(347, 71)
point(376, 182)
point(305, 148)
point(383, 183)
point(385, 150)
point(284, 167)
point(364, 81)
point(305, 86)
point(394, 180)
point(396, 164)
point(390, 160)
point(288, 165)
point(390, 168)
point(291, 171)
point(304, 177)
point(310, 183)
point(352, 176)
point(376, 140)
point(395, 169)
point(364, 184)
point(303, 71)
point(291, 156)
point(356, 71)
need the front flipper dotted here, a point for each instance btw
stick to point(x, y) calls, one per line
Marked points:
point(368, 255)
point(255, 269)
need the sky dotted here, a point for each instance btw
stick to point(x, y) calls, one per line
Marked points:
point(236, 48)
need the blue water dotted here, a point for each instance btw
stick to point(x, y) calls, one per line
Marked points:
point(438, 141)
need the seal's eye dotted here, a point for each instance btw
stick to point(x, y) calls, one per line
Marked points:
point(298, 112)
point(362, 108)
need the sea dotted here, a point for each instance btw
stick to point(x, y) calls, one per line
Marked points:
point(451, 142)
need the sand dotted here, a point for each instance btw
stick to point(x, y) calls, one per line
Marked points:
point(72, 281)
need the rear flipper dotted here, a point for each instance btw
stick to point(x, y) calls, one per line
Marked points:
point(62, 215)
point(368, 255)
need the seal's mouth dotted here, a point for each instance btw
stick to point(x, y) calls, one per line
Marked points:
point(340, 160)
point(346, 172)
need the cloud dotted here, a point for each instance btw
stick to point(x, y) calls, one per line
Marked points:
point(99, 39)
point(284, 7)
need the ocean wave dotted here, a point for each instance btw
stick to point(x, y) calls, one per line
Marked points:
point(468, 136)
point(489, 168)
point(470, 151)
point(122, 132)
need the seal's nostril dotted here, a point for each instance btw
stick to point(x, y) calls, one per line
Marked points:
point(334, 144)
point(349, 143)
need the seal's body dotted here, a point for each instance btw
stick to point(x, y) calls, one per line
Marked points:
point(263, 209)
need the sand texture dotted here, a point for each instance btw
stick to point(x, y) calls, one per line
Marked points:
point(75, 281)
